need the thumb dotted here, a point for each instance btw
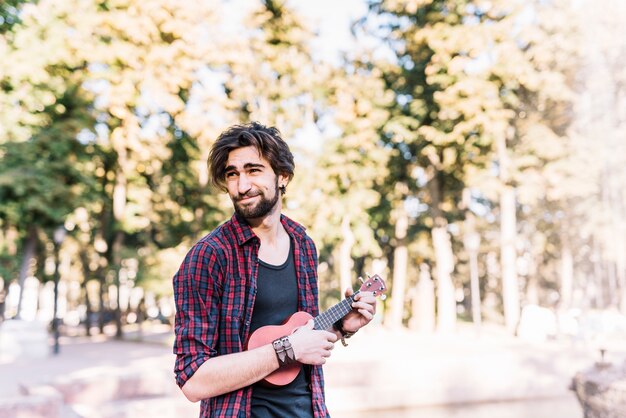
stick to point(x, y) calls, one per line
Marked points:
point(309, 325)
point(349, 292)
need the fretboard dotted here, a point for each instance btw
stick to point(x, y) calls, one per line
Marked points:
point(326, 320)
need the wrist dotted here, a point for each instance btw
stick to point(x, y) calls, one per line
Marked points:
point(338, 326)
point(284, 351)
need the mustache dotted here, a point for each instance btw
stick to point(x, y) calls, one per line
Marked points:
point(251, 193)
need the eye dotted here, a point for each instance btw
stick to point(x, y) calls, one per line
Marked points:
point(231, 174)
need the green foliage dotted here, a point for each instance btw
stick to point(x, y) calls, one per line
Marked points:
point(10, 14)
point(109, 108)
point(44, 125)
point(352, 163)
point(41, 180)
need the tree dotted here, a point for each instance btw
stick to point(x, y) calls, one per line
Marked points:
point(463, 74)
point(441, 124)
point(348, 169)
point(42, 176)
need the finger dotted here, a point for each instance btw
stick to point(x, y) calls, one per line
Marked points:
point(365, 297)
point(331, 336)
point(367, 306)
point(367, 314)
point(348, 292)
point(309, 325)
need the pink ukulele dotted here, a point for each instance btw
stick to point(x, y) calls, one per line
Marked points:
point(324, 321)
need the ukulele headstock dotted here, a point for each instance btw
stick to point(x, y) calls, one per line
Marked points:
point(376, 285)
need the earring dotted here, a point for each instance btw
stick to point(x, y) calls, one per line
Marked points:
point(283, 189)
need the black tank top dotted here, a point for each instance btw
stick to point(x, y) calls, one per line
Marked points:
point(276, 299)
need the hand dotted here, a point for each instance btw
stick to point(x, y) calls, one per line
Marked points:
point(363, 311)
point(312, 346)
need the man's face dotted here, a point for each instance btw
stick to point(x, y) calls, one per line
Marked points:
point(251, 183)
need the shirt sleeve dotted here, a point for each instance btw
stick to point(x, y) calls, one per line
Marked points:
point(196, 294)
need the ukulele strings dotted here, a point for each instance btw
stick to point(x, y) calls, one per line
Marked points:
point(327, 319)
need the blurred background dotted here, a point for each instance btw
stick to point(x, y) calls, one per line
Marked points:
point(472, 153)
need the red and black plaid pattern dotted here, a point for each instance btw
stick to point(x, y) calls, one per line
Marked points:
point(214, 291)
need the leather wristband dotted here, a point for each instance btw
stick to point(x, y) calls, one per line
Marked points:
point(284, 351)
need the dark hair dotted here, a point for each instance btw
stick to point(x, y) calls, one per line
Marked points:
point(267, 141)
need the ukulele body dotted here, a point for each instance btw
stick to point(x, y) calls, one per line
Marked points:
point(269, 333)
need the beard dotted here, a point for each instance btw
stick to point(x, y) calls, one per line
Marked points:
point(263, 207)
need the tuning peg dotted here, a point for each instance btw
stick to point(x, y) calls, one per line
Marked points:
point(361, 279)
point(383, 297)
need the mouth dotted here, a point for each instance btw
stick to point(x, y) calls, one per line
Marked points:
point(247, 198)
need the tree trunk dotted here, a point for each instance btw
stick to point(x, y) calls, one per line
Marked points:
point(446, 303)
point(620, 261)
point(400, 261)
point(472, 246)
point(84, 258)
point(102, 283)
point(508, 258)
point(119, 209)
point(532, 290)
point(615, 243)
point(598, 275)
point(444, 259)
point(567, 274)
point(30, 245)
point(117, 261)
point(103, 247)
point(3, 298)
point(8, 245)
point(508, 238)
point(532, 279)
point(345, 255)
point(423, 306)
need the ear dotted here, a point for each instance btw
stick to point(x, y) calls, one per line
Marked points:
point(283, 180)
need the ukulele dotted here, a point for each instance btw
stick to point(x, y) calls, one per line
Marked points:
point(324, 321)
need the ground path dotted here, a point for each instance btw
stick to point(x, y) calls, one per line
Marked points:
point(380, 370)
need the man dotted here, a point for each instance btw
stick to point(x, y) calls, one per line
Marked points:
point(254, 270)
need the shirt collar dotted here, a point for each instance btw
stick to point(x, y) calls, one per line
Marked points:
point(293, 228)
point(243, 232)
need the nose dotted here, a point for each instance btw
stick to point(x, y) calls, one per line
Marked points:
point(243, 186)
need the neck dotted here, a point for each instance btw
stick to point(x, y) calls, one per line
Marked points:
point(268, 228)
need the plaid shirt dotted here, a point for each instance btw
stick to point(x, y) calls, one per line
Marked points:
point(215, 290)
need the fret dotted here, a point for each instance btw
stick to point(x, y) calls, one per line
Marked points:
point(326, 320)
